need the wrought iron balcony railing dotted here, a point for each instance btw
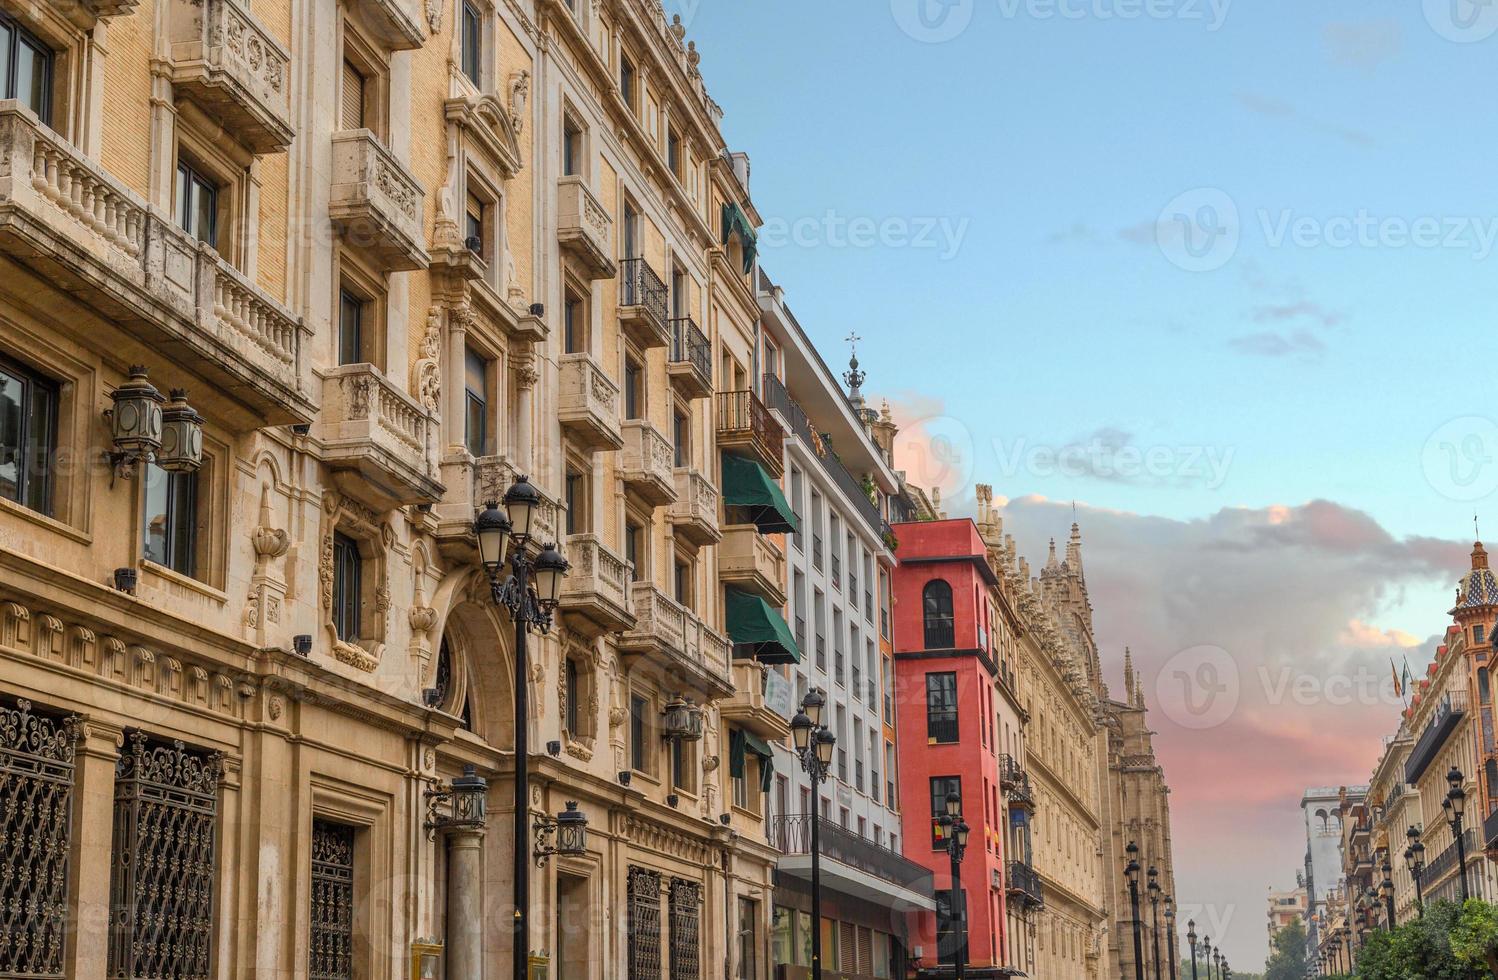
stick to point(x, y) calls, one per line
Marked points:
point(690, 347)
point(640, 286)
point(1024, 883)
point(791, 833)
point(941, 726)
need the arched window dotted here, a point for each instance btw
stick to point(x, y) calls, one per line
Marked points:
point(447, 694)
point(936, 601)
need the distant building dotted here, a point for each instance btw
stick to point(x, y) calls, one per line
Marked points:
point(1320, 807)
point(1285, 908)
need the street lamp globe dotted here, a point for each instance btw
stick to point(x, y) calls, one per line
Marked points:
point(812, 705)
point(961, 832)
point(954, 805)
point(801, 731)
point(521, 503)
point(550, 569)
point(826, 741)
point(492, 529)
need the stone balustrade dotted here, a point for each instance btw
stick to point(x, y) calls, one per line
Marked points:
point(224, 59)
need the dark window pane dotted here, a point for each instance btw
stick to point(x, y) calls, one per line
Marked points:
point(350, 328)
point(7, 40)
point(574, 502)
point(472, 42)
point(633, 379)
point(170, 519)
point(637, 730)
point(347, 572)
point(13, 448)
point(572, 325)
point(475, 391)
point(936, 600)
point(33, 73)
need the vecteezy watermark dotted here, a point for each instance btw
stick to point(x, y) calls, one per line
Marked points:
point(1199, 687)
point(1202, 229)
point(1126, 463)
point(1462, 21)
point(1460, 459)
point(1362, 686)
point(943, 235)
point(1198, 231)
point(935, 21)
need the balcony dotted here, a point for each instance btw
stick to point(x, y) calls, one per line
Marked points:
point(747, 560)
point(756, 705)
point(596, 589)
point(694, 515)
point(1015, 783)
point(647, 465)
point(160, 294)
point(780, 400)
point(86, 13)
point(588, 403)
point(226, 61)
point(851, 864)
point(392, 25)
point(375, 203)
point(376, 438)
point(1446, 719)
point(690, 365)
point(493, 475)
point(642, 304)
point(669, 638)
point(584, 229)
point(746, 427)
point(1024, 885)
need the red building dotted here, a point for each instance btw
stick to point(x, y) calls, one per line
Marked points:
point(945, 676)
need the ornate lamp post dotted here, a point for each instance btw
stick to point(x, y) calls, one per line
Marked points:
point(1457, 798)
point(1217, 958)
point(457, 811)
point(1207, 955)
point(956, 833)
point(1154, 893)
point(814, 746)
point(1131, 871)
point(1191, 941)
point(1388, 889)
point(1170, 931)
point(1414, 856)
point(530, 595)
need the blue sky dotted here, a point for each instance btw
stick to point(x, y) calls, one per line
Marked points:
point(1269, 244)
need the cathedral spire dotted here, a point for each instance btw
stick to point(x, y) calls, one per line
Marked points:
point(1128, 675)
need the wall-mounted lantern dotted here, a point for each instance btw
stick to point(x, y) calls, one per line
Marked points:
point(460, 806)
point(181, 436)
point(426, 960)
point(565, 834)
point(682, 720)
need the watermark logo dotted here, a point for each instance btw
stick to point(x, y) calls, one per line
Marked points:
point(1460, 459)
point(938, 453)
point(1198, 231)
point(1199, 687)
point(932, 21)
point(943, 235)
point(1462, 21)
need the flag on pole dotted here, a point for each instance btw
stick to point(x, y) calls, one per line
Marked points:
point(1398, 684)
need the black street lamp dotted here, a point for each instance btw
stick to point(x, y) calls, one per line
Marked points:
point(1217, 958)
point(1170, 931)
point(1456, 806)
point(814, 747)
point(530, 594)
point(1414, 856)
point(1207, 955)
point(956, 831)
point(1388, 889)
point(1191, 941)
point(1131, 871)
point(1154, 892)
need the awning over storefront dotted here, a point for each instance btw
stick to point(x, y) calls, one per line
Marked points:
point(759, 631)
point(747, 485)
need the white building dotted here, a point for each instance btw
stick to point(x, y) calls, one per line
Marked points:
point(837, 583)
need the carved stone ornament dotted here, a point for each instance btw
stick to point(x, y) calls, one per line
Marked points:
point(520, 89)
point(427, 372)
point(434, 15)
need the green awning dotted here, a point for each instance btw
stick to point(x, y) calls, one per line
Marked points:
point(759, 631)
point(736, 222)
point(766, 755)
point(747, 485)
point(740, 743)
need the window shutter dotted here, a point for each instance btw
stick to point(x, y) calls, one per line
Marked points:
point(353, 98)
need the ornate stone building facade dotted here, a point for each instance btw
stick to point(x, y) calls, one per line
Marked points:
point(397, 252)
point(1137, 811)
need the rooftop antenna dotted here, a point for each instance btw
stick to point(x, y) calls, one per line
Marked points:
point(1475, 529)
